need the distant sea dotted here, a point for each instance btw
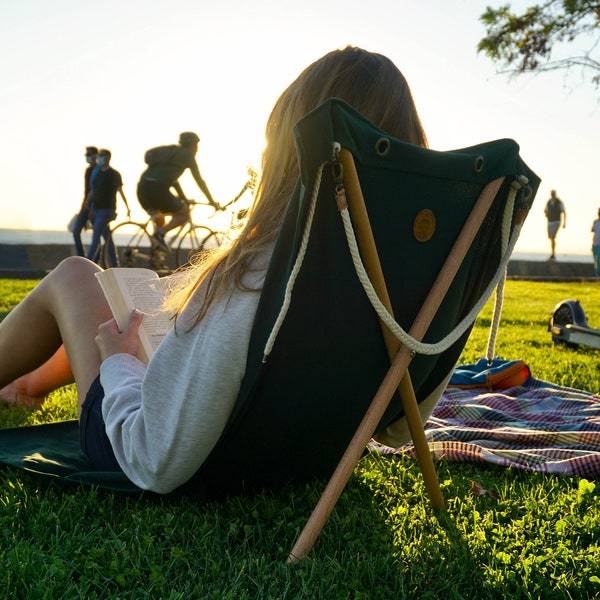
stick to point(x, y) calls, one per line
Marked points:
point(28, 236)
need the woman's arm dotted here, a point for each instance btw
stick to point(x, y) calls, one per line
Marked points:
point(188, 390)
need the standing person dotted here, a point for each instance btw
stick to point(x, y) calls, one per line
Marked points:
point(158, 422)
point(596, 244)
point(105, 184)
point(555, 213)
point(91, 153)
point(166, 164)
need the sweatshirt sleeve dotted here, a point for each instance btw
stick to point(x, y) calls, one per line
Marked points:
point(163, 420)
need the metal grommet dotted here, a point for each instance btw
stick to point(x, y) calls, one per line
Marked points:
point(337, 170)
point(478, 164)
point(382, 147)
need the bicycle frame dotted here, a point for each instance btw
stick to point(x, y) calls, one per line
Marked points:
point(135, 248)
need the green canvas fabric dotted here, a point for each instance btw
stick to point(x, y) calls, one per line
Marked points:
point(297, 412)
point(53, 450)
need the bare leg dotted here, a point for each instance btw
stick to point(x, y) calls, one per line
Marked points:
point(33, 387)
point(179, 218)
point(66, 307)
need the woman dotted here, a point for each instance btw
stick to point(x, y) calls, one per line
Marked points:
point(159, 423)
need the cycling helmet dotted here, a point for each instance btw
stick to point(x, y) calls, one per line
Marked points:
point(188, 138)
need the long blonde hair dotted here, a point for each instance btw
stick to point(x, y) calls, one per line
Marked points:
point(369, 82)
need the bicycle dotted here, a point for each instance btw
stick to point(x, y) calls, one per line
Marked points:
point(135, 248)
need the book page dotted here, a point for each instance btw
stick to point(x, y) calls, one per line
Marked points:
point(147, 296)
point(126, 289)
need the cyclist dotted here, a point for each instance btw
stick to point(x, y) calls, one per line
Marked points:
point(166, 164)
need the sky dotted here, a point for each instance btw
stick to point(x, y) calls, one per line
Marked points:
point(131, 74)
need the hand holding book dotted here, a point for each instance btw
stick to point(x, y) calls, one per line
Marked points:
point(128, 289)
point(112, 340)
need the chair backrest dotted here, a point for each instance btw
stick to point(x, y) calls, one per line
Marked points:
point(297, 411)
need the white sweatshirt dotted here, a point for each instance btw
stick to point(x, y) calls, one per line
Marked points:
point(164, 420)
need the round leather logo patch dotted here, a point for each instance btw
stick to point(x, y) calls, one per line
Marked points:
point(424, 225)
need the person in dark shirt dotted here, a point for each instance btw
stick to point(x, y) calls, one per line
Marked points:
point(106, 182)
point(154, 187)
point(91, 153)
point(555, 214)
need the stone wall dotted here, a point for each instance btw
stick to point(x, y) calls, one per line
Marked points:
point(550, 270)
point(34, 261)
point(31, 261)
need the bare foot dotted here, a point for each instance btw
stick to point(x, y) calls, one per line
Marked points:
point(13, 394)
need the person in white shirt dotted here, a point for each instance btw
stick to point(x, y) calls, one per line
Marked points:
point(596, 244)
point(158, 423)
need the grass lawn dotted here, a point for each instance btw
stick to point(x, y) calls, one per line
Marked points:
point(539, 539)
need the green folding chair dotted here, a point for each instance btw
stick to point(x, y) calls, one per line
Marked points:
point(424, 242)
point(386, 254)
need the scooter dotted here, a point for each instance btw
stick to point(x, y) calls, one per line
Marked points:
point(568, 325)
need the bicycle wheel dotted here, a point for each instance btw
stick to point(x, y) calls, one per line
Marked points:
point(196, 239)
point(132, 246)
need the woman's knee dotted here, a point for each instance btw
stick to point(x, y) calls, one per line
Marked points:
point(76, 264)
point(74, 271)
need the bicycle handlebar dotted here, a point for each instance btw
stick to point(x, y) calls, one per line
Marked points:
point(216, 207)
point(220, 207)
point(237, 197)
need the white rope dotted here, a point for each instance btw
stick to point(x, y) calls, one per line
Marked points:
point(507, 244)
point(495, 325)
point(406, 339)
point(499, 299)
point(296, 269)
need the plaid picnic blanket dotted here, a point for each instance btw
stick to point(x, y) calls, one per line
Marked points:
point(538, 426)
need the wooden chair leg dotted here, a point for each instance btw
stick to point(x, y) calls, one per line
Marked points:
point(368, 250)
point(396, 372)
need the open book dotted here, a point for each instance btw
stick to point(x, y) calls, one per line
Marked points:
point(128, 288)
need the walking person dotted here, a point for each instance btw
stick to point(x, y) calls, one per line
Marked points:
point(91, 154)
point(106, 183)
point(596, 244)
point(166, 164)
point(555, 214)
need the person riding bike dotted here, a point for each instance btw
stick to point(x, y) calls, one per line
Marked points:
point(166, 164)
